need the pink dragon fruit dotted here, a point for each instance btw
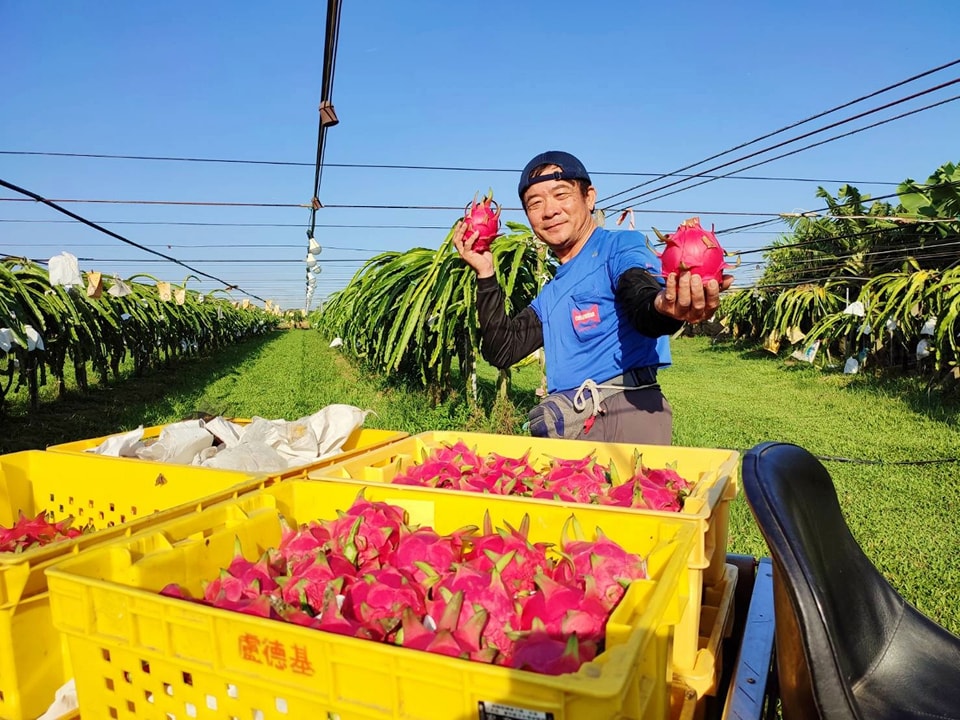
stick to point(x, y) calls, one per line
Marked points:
point(543, 653)
point(484, 590)
point(450, 637)
point(583, 481)
point(508, 552)
point(378, 599)
point(311, 577)
point(424, 554)
point(692, 249)
point(562, 610)
point(480, 217)
point(333, 620)
point(602, 567)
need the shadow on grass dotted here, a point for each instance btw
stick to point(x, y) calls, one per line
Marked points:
point(156, 398)
point(922, 394)
point(743, 350)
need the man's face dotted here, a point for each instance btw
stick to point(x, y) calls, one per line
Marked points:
point(558, 212)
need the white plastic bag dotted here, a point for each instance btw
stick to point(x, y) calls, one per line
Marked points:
point(178, 443)
point(122, 445)
point(64, 270)
point(855, 308)
point(295, 441)
point(65, 701)
point(333, 426)
point(34, 341)
point(119, 288)
point(229, 433)
point(249, 456)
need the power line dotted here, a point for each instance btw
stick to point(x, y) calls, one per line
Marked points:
point(439, 168)
point(170, 202)
point(875, 198)
point(223, 261)
point(121, 238)
point(813, 145)
point(806, 135)
point(239, 224)
point(814, 241)
point(223, 246)
point(277, 225)
point(828, 258)
point(363, 207)
point(792, 125)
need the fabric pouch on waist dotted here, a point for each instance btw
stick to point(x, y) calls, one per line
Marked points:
point(557, 417)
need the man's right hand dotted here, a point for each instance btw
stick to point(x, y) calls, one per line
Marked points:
point(482, 263)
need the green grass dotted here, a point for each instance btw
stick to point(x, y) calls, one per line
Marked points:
point(904, 516)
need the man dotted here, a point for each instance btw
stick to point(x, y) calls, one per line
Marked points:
point(598, 319)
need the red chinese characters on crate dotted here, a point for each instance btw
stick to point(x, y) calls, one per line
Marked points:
point(267, 651)
point(458, 467)
point(28, 533)
point(487, 595)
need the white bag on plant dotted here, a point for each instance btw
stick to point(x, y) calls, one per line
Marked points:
point(64, 270)
point(6, 339)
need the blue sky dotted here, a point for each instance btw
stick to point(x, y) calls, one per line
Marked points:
point(629, 87)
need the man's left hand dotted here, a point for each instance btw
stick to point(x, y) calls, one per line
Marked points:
point(686, 297)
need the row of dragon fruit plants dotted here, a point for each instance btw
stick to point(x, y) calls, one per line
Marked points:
point(411, 314)
point(865, 283)
point(48, 320)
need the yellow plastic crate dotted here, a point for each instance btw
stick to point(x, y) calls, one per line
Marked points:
point(715, 473)
point(120, 499)
point(361, 440)
point(138, 654)
point(716, 624)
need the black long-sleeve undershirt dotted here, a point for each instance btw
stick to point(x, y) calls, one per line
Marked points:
point(505, 341)
point(636, 291)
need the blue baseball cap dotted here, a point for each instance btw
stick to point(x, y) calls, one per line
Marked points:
point(570, 169)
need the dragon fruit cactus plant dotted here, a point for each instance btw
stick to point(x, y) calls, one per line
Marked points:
point(483, 219)
point(692, 249)
point(482, 594)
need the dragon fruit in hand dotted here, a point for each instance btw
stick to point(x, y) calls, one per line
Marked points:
point(693, 249)
point(480, 217)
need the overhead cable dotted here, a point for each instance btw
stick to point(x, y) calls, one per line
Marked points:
point(798, 123)
point(443, 168)
point(809, 134)
point(121, 238)
point(811, 145)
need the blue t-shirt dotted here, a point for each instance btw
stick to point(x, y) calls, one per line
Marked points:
point(585, 332)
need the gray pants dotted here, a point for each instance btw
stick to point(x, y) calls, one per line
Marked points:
point(642, 417)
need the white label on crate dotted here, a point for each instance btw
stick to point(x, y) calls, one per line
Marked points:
point(496, 711)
